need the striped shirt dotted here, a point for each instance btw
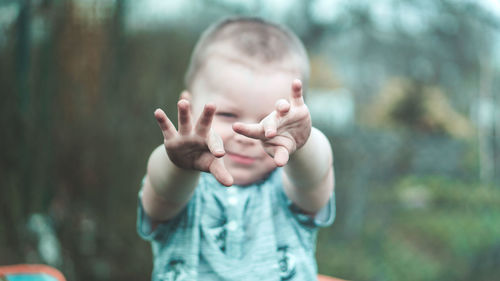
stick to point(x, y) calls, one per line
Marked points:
point(236, 233)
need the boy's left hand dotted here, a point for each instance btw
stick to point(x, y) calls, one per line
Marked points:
point(284, 130)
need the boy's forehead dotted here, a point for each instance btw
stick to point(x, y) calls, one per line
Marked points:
point(236, 81)
point(226, 51)
point(224, 71)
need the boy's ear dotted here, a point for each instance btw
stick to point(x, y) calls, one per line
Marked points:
point(185, 95)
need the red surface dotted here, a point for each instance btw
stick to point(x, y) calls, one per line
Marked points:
point(328, 278)
point(31, 269)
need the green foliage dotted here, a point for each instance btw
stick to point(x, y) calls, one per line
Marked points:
point(434, 228)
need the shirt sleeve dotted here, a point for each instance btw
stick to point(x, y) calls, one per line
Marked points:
point(323, 217)
point(163, 230)
point(145, 227)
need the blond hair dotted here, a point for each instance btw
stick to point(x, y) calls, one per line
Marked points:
point(256, 38)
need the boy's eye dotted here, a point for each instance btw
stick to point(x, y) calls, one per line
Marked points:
point(225, 114)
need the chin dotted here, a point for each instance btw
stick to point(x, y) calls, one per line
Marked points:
point(244, 178)
point(243, 181)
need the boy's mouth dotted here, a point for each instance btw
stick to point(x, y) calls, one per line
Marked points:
point(241, 159)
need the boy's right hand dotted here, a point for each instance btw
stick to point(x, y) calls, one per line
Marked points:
point(197, 148)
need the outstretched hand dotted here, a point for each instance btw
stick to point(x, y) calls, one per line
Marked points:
point(284, 130)
point(197, 148)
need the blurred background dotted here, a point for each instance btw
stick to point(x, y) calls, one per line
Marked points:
point(408, 91)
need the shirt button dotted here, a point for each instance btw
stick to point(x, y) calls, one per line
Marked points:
point(232, 190)
point(232, 201)
point(232, 226)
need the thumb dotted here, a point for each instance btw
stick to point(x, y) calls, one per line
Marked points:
point(281, 156)
point(220, 172)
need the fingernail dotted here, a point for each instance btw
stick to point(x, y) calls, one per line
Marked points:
point(297, 84)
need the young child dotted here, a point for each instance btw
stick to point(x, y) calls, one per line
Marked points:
point(214, 203)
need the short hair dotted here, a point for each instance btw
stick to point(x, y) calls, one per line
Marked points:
point(254, 37)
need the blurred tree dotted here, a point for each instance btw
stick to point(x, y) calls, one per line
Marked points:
point(420, 107)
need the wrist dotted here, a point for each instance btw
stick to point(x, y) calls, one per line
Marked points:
point(305, 136)
point(305, 148)
point(165, 176)
point(312, 161)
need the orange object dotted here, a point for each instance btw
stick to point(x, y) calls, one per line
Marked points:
point(328, 278)
point(31, 269)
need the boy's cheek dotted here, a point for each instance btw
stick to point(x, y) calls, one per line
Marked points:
point(223, 129)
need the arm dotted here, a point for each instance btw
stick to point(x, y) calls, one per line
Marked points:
point(173, 168)
point(309, 175)
point(287, 135)
point(167, 188)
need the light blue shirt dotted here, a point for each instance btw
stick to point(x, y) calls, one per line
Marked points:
point(236, 233)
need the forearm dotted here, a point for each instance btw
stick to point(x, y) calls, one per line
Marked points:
point(167, 188)
point(309, 176)
point(310, 164)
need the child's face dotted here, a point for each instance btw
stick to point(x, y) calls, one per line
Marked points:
point(245, 92)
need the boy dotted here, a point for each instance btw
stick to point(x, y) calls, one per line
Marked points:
point(214, 203)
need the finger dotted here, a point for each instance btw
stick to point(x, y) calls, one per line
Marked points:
point(297, 98)
point(255, 131)
point(166, 126)
point(270, 125)
point(184, 117)
point(205, 121)
point(282, 107)
point(281, 156)
point(215, 144)
point(220, 172)
point(185, 95)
